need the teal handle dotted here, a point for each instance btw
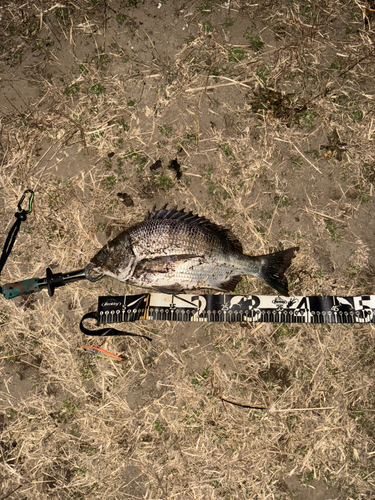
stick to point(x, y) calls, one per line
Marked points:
point(12, 290)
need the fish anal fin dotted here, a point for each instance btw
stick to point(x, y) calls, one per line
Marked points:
point(230, 285)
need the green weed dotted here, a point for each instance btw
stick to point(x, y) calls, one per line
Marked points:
point(368, 172)
point(207, 28)
point(89, 450)
point(280, 29)
point(282, 201)
point(351, 270)
point(292, 421)
point(161, 181)
point(220, 432)
point(160, 426)
point(117, 49)
point(236, 54)
point(109, 182)
point(97, 89)
point(190, 138)
point(100, 228)
point(364, 192)
point(363, 422)
point(265, 215)
point(336, 65)
point(63, 15)
point(308, 117)
point(349, 30)
point(192, 420)
point(206, 7)
point(4, 317)
point(102, 60)
point(198, 380)
point(321, 275)
point(227, 150)
point(307, 11)
point(331, 228)
point(123, 124)
point(285, 331)
point(136, 157)
point(94, 138)
point(228, 22)
point(307, 477)
point(296, 161)
point(88, 373)
point(68, 409)
point(165, 130)
point(131, 3)
point(83, 69)
point(215, 484)
point(72, 89)
point(262, 73)
point(254, 40)
point(356, 115)
point(43, 43)
point(18, 56)
point(261, 230)
point(120, 18)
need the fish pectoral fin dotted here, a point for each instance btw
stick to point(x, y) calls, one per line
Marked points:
point(230, 285)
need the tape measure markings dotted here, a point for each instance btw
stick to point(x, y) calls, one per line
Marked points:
point(236, 308)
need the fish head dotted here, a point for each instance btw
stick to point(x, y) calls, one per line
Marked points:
point(116, 258)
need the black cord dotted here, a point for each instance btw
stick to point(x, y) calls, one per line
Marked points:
point(21, 216)
point(105, 332)
point(11, 238)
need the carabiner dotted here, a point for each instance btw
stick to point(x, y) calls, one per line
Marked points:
point(31, 199)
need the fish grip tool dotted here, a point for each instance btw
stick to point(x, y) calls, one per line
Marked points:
point(32, 285)
point(230, 308)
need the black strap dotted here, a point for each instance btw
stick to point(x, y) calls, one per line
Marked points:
point(11, 238)
point(21, 216)
point(105, 332)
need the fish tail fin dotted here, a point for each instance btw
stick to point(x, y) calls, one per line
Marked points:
point(273, 267)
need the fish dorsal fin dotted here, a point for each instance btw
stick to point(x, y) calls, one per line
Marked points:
point(196, 220)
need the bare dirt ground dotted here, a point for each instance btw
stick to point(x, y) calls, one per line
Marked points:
point(268, 108)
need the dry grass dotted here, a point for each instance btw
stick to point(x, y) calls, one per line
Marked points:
point(268, 108)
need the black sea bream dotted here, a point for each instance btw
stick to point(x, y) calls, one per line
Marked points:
point(172, 251)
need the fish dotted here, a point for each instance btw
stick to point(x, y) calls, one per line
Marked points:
point(172, 251)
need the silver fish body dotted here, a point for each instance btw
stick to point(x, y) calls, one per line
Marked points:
point(173, 251)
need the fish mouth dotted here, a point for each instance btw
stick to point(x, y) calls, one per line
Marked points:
point(88, 269)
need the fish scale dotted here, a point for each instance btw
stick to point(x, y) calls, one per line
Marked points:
point(173, 251)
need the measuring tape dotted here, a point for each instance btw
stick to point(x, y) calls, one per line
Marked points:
point(230, 308)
